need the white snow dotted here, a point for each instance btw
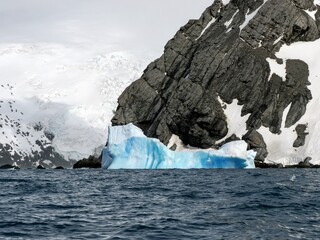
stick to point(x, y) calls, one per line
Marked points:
point(227, 24)
point(208, 25)
point(312, 13)
point(278, 40)
point(71, 91)
point(236, 122)
point(175, 140)
point(279, 69)
point(225, 2)
point(280, 146)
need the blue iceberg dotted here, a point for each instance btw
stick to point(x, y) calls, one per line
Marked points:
point(129, 148)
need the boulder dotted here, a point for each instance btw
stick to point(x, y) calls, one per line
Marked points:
point(40, 167)
point(8, 166)
point(91, 162)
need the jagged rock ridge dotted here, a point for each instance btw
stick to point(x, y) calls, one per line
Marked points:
point(228, 55)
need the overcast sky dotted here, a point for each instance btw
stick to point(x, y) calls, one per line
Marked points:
point(127, 23)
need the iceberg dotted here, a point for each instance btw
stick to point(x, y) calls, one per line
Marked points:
point(129, 148)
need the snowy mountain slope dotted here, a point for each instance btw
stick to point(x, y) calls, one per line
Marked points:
point(71, 92)
point(280, 146)
point(68, 61)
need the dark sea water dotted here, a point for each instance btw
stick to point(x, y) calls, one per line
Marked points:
point(176, 204)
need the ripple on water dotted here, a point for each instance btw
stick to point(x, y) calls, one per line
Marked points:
point(174, 204)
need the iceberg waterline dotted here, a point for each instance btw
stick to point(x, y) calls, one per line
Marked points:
point(129, 148)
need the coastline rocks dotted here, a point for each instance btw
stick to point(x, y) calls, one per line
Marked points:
point(219, 59)
point(41, 148)
point(8, 166)
point(260, 164)
point(91, 162)
point(304, 164)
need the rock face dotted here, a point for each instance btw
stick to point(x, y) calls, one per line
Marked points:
point(46, 155)
point(26, 145)
point(91, 162)
point(227, 55)
point(8, 166)
point(301, 132)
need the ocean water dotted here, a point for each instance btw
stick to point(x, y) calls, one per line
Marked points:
point(170, 204)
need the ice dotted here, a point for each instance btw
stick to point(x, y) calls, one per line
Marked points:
point(129, 148)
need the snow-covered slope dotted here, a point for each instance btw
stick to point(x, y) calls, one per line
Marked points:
point(69, 92)
point(280, 146)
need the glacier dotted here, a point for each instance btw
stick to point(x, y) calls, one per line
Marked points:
point(129, 148)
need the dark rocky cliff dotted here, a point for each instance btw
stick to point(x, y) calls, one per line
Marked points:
point(217, 59)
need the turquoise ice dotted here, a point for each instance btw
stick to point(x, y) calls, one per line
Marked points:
point(129, 148)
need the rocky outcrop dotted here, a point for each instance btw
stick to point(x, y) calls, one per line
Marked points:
point(46, 154)
point(36, 141)
point(255, 141)
point(304, 164)
point(8, 166)
point(301, 135)
point(224, 57)
point(91, 162)
point(40, 167)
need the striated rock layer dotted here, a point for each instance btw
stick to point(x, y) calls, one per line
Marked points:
point(224, 61)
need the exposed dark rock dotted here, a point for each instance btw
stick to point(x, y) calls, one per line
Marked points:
point(260, 164)
point(8, 166)
point(174, 147)
point(301, 135)
point(304, 164)
point(38, 127)
point(40, 167)
point(232, 138)
point(59, 167)
point(9, 156)
point(256, 142)
point(205, 66)
point(49, 135)
point(91, 162)
point(304, 4)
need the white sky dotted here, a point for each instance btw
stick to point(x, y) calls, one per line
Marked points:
point(145, 24)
